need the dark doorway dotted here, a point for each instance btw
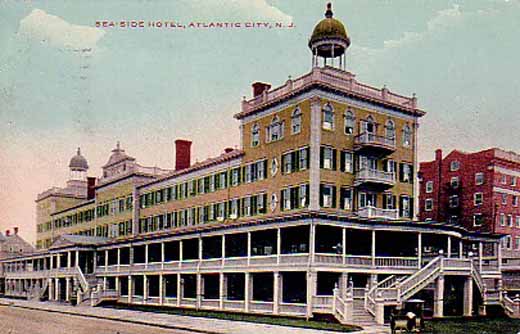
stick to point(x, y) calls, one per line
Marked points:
point(294, 287)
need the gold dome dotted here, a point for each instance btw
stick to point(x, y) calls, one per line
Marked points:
point(329, 29)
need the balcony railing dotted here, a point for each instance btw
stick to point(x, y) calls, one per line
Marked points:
point(373, 212)
point(371, 139)
point(369, 175)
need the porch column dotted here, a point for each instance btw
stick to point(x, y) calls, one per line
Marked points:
point(145, 287)
point(419, 249)
point(118, 287)
point(221, 294)
point(67, 287)
point(438, 298)
point(199, 290)
point(161, 285)
point(51, 288)
point(311, 284)
point(373, 248)
point(499, 256)
point(468, 297)
point(223, 249)
point(58, 261)
point(312, 241)
point(104, 282)
point(247, 291)
point(162, 254)
point(276, 292)
point(278, 244)
point(179, 289)
point(118, 257)
point(248, 247)
point(480, 255)
point(77, 258)
point(461, 249)
point(69, 259)
point(106, 260)
point(448, 253)
point(180, 252)
point(146, 255)
point(57, 287)
point(344, 244)
point(130, 289)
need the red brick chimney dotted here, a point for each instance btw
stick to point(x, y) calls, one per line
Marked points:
point(7, 233)
point(259, 88)
point(182, 154)
point(15, 230)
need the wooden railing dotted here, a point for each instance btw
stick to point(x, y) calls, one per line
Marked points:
point(373, 212)
point(370, 138)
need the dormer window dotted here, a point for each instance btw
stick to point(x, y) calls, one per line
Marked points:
point(255, 135)
point(328, 117)
point(296, 121)
point(275, 130)
point(349, 122)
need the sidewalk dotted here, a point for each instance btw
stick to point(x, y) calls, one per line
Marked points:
point(195, 324)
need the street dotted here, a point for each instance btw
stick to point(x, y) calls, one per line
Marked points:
point(14, 320)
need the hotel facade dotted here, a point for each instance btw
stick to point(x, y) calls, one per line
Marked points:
point(314, 213)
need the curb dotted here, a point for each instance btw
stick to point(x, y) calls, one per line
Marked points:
point(136, 322)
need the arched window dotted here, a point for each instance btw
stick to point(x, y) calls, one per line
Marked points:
point(407, 135)
point(296, 121)
point(390, 130)
point(255, 135)
point(275, 130)
point(371, 125)
point(349, 122)
point(328, 117)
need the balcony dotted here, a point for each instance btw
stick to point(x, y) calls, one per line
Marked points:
point(373, 212)
point(369, 142)
point(374, 178)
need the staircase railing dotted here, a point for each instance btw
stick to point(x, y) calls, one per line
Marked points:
point(478, 279)
point(82, 280)
point(341, 308)
point(420, 278)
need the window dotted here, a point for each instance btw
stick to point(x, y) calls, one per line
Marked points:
point(517, 243)
point(517, 221)
point(350, 121)
point(255, 135)
point(295, 197)
point(513, 181)
point(328, 158)
point(295, 161)
point(347, 162)
point(327, 196)
point(502, 219)
point(477, 220)
point(405, 206)
point(390, 166)
point(328, 117)
point(515, 200)
point(503, 179)
point(407, 136)
point(296, 121)
point(275, 130)
point(390, 130)
point(428, 204)
point(367, 199)
point(454, 201)
point(506, 242)
point(406, 173)
point(303, 161)
point(235, 176)
point(429, 187)
point(288, 163)
point(510, 220)
point(479, 178)
point(478, 199)
point(389, 201)
point(346, 199)
point(454, 182)
point(454, 166)
point(504, 199)
point(286, 199)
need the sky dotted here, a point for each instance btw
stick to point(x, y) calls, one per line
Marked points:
point(67, 83)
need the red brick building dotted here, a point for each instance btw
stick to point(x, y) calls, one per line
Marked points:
point(478, 190)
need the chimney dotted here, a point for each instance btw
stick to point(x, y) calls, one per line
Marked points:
point(91, 187)
point(259, 88)
point(15, 230)
point(182, 154)
point(7, 233)
point(228, 150)
point(438, 155)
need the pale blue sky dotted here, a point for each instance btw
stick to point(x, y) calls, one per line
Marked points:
point(147, 87)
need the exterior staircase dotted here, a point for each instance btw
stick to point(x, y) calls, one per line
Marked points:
point(360, 316)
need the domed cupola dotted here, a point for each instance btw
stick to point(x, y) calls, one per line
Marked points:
point(329, 40)
point(78, 166)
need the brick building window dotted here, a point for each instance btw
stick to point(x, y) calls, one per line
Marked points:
point(515, 200)
point(346, 199)
point(406, 173)
point(502, 219)
point(349, 122)
point(517, 221)
point(328, 117)
point(454, 182)
point(454, 201)
point(428, 204)
point(275, 130)
point(407, 136)
point(478, 198)
point(347, 162)
point(479, 178)
point(255, 135)
point(328, 158)
point(296, 121)
point(429, 187)
point(327, 196)
point(504, 199)
point(517, 243)
point(503, 179)
point(478, 220)
point(454, 166)
point(510, 220)
point(390, 130)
